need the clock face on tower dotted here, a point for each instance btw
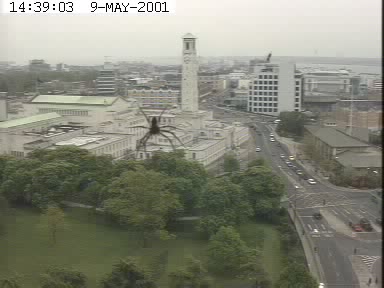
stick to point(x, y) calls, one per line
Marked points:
point(187, 59)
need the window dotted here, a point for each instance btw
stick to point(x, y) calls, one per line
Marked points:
point(270, 93)
point(250, 92)
point(296, 99)
point(274, 104)
point(297, 88)
point(275, 82)
point(270, 82)
point(270, 99)
point(275, 88)
point(265, 104)
point(187, 46)
point(254, 82)
point(296, 110)
point(254, 93)
point(193, 155)
point(297, 83)
point(269, 109)
point(270, 105)
point(297, 94)
point(254, 109)
point(254, 98)
point(265, 109)
point(274, 93)
point(250, 98)
point(275, 77)
point(275, 110)
point(296, 105)
point(265, 98)
point(260, 76)
point(256, 88)
point(269, 76)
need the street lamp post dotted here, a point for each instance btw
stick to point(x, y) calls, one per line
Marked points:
point(295, 211)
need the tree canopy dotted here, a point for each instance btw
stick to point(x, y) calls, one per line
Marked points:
point(62, 277)
point(291, 124)
point(141, 199)
point(223, 203)
point(128, 273)
point(295, 275)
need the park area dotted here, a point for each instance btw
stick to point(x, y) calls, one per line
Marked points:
point(92, 245)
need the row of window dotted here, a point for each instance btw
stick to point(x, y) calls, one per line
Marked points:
point(64, 112)
point(264, 104)
point(265, 87)
point(263, 93)
point(263, 109)
point(268, 77)
point(266, 82)
point(263, 98)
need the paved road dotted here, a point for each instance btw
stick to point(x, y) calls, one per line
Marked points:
point(334, 247)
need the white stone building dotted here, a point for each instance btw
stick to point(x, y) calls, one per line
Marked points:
point(155, 98)
point(327, 81)
point(276, 87)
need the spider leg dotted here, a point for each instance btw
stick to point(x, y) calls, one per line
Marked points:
point(170, 141)
point(145, 115)
point(168, 126)
point(174, 135)
point(142, 142)
point(138, 127)
point(161, 114)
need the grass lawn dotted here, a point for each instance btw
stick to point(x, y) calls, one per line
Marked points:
point(90, 245)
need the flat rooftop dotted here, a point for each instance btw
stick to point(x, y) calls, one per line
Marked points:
point(92, 141)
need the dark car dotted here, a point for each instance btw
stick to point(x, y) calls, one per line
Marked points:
point(317, 216)
point(304, 176)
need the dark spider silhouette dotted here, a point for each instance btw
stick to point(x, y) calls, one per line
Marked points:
point(155, 129)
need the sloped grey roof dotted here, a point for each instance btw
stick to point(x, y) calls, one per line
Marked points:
point(360, 160)
point(333, 137)
point(29, 120)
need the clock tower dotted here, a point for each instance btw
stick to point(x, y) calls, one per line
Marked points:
point(189, 90)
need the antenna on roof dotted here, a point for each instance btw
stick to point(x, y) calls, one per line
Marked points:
point(269, 57)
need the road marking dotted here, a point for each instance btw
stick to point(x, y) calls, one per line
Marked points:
point(310, 228)
point(362, 211)
point(346, 211)
point(335, 212)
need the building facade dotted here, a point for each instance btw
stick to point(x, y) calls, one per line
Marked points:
point(106, 82)
point(155, 98)
point(338, 82)
point(276, 87)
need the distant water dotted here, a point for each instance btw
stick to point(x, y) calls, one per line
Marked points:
point(356, 65)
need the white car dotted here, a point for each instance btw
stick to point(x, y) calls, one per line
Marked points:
point(258, 149)
point(272, 139)
point(271, 135)
point(311, 181)
point(282, 156)
point(315, 231)
point(291, 158)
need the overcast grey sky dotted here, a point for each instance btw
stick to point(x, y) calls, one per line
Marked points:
point(349, 28)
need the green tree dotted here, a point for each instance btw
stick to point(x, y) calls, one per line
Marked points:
point(3, 214)
point(257, 162)
point(295, 275)
point(227, 252)
point(223, 200)
point(128, 273)
point(11, 282)
point(141, 199)
point(194, 275)
point(52, 182)
point(62, 277)
point(264, 189)
point(53, 220)
point(17, 179)
point(231, 164)
point(254, 271)
point(291, 124)
point(176, 166)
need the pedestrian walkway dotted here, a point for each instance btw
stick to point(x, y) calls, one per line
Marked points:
point(363, 273)
point(369, 260)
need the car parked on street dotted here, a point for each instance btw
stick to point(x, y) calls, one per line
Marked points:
point(289, 164)
point(282, 156)
point(258, 149)
point(311, 181)
point(272, 139)
point(292, 158)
